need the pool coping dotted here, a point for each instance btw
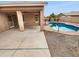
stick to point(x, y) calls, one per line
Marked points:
point(74, 24)
point(48, 28)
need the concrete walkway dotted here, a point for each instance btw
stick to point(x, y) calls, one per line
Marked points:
point(30, 43)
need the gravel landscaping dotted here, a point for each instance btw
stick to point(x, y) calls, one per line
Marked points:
point(62, 45)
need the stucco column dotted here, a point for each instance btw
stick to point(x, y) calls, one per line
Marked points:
point(42, 20)
point(20, 20)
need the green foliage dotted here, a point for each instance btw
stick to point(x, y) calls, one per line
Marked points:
point(56, 17)
point(53, 16)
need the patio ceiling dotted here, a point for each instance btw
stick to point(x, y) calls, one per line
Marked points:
point(23, 9)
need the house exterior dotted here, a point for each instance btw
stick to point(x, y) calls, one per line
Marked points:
point(72, 17)
point(22, 14)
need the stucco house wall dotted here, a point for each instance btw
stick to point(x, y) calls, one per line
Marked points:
point(3, 22)
point(72, 16)
point(29, 19)
point(72, 19)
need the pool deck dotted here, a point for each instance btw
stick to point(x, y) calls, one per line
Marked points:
point(75, 24)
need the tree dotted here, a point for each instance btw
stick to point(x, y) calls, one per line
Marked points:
point(53, 16)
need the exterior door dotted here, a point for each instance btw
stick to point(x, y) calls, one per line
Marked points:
point(13, 22)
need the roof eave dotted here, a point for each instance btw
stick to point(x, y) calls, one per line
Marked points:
point(23, 4)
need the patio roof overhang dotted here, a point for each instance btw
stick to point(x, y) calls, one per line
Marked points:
point(24, 7)
point(20, 4)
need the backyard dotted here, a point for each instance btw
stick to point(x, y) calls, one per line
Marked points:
point(39, 29)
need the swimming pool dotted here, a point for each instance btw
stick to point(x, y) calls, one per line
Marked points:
point(63, 27)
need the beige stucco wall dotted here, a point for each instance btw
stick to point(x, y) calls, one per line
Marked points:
point(29, 19)
point(75, 19)
point(70, 19)
point(3, 22)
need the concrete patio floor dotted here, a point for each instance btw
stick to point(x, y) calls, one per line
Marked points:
point(30, 43)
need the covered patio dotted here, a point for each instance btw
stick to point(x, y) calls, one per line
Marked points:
point(26, 14)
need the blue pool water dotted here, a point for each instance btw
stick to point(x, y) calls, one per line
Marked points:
point(63, 27)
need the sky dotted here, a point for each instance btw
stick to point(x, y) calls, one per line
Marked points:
point(60, 7)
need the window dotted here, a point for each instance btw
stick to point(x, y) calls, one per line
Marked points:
point(36, 18)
